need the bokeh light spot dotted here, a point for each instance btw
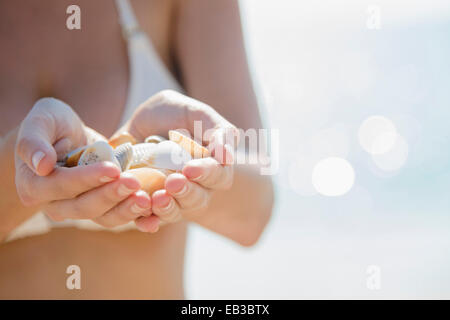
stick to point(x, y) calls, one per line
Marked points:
point(333, 176)
point(377, 135)
point(395, 158)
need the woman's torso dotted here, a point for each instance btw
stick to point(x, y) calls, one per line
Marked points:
point(88, 69)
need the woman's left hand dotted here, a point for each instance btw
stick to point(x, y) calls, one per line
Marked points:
point(187, 194)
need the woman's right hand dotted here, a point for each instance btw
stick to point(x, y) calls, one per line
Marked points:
point(98, 192)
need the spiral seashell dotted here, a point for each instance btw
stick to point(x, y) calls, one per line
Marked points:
point(124, 155)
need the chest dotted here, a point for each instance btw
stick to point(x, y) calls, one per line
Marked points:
point(86, 68)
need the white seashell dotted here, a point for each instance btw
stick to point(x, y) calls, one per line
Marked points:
point(164, 155)
point(124, 155)
point(97, 152)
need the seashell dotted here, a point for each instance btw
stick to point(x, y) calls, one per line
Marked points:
point(150, 179)
point(154, 139)
point(164, 155)
point(124, 155)
point(97, 152)
point(102, 151)
point(195, 149)
point(71, 159)
point(120, 139)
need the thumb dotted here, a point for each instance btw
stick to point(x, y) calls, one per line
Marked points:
point(35, 140)
point(36, 151)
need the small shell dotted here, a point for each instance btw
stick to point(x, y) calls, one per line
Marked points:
point(150, 179)
point(164, 155)
point(120, 139)
point(97, 152)
point(154, 139)
point(124, 155)
point(71, 159)
point(195, 149)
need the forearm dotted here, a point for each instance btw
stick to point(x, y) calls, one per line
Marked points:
point(242, 212)
point(12, 211)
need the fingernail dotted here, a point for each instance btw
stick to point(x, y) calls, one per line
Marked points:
point(136, 209)
point(36, 158)
point(194, 172)
point(157, 226)
point(200, 177)
point(182, 191)
point(169, 206)
point(106, 179)
point(124, 191)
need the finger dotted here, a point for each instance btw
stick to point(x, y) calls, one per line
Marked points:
point(49, 121)
point(93, 136)
point(165, 207)
point(62, 183)
point(148, 224)
point(222, 142)
point(34, 145)
point(96, 202)
point(224, 154)
point(150, 179)
point(135, 206)
point(184, 113)
point(208, 173)
point(189, 195)
point(62, 147)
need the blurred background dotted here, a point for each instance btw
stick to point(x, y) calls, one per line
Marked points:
point(360, 93)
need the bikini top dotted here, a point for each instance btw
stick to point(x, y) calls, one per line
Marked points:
point(148, 75)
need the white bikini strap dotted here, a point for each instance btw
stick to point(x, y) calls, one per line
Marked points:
point(127, 18)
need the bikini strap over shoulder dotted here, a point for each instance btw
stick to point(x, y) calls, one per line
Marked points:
point(127, 19)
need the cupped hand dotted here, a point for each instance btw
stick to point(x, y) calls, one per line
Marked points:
point(187, 194)
point(98, 192)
